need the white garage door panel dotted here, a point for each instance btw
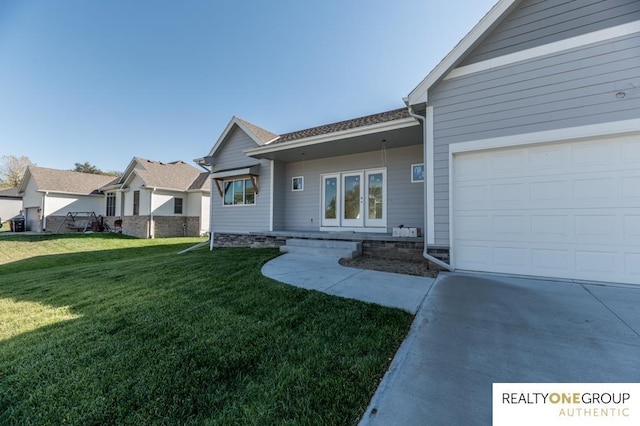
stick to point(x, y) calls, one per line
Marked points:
point(568, 210)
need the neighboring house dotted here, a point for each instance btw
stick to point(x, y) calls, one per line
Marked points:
point(356, 176)
point(154, 199)
point(10, 203)
point(532, 142)
point(49, 194)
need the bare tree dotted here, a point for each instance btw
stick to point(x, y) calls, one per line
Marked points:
point(12, 169)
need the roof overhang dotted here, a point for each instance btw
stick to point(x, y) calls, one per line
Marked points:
point(81, 194)
point(419, 95)
point(390, 134)
point(242, 171)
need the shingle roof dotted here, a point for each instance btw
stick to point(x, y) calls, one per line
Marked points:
point(367, 120)
point(176, 175)
point(201, 182)
point(10, 193)
point(67, 181)
point(264, 135)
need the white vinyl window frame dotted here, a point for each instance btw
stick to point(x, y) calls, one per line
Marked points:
point(297, 183)
point(417, 173)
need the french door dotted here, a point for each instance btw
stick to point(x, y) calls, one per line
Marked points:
point(354, 199)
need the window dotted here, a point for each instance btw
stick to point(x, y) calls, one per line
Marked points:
point(297, 183)
point(417, 173)
point(177, 205)
point(136, 203)
point(111, 204)
point(239, 192)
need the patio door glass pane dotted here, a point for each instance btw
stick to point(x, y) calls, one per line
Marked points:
point(352, 198)
point(330, 197)
point(375, 196)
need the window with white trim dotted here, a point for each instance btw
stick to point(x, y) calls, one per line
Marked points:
point(239, 192)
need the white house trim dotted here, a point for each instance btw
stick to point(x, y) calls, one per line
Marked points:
point(492, 18)
point(614, 128)
point(350, 133)
point(547, 49)
point(429, 177)
point(271, 186)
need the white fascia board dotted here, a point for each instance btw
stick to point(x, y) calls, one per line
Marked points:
point(420, 93)
point(160, 188)
point(329, 137)
point(547, 49)
point(51, 193)
point(591, 131)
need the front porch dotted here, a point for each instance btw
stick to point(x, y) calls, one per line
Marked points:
point(375, 245)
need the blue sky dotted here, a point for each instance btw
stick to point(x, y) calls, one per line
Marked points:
point(103, 81)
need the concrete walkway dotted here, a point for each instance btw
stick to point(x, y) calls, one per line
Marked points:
point(475, 330)
point(325, 274)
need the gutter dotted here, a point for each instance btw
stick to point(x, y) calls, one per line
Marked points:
point(211, 234)
point(425, 252)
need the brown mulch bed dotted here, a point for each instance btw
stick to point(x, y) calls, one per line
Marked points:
point(390, 265)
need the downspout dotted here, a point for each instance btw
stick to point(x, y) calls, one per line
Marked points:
point(425, 253)
point(44, 215)
point(151, 227)
point(211, 213)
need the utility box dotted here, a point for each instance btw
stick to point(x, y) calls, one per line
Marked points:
point(406, 232)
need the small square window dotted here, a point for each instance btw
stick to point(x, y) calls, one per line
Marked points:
point(417, 173)
point(297, 183)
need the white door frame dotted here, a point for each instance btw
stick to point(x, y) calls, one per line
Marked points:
point(362, 223)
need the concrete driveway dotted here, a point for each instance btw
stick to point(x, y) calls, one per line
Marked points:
point(474, 330)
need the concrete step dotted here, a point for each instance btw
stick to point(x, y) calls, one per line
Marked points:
point(343, 249)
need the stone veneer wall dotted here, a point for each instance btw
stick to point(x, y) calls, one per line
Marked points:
point(384, 248)
point(138, 226)
point(247, 240)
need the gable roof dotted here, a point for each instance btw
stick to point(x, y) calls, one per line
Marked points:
point(259, 135)
point(497, 13)
point(64, 181)
point(177, 175)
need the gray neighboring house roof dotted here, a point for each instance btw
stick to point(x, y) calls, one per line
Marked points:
point(64, 181)
point(11, 193)
point(176, 175)
point(367, 120)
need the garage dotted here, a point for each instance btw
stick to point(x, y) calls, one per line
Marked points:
point(569, 209)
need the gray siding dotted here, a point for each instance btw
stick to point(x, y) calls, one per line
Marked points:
point(246, 218)
point(405, 204)
point(538, 22)
point(568, 89)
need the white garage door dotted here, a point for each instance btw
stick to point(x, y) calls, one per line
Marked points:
point(568, 210)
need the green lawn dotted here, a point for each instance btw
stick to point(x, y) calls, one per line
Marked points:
point(104, 329)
